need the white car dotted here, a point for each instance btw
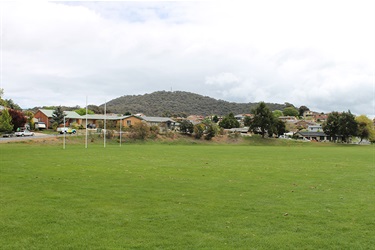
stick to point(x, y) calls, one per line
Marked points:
point(64, 130)
point(24, 132)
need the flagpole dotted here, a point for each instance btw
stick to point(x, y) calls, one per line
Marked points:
point(86, 125)
point(105, 120)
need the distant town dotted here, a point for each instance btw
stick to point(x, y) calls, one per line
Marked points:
point(289, 123)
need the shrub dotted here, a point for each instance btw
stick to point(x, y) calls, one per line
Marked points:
point(55, 125)
point(139, 131)
point(75, 125)
point(198, 130)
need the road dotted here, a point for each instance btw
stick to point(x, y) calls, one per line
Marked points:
point(26, 138)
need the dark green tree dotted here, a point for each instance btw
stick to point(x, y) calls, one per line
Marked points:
point(279, 127)
point(186, 127)
point(58, 115)
point(263, 119)
point(348, 126)
point(5, 121)
point(247, 121)
point(229, 122)
point(302, 110)
point(215, 119)
point(331, 127)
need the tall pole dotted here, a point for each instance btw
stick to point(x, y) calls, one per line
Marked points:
point(105, 120)
point(1, 49)
point(120, 131)
point(64, 133)
point(86, 125)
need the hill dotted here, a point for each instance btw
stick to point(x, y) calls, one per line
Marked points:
point(179, 103)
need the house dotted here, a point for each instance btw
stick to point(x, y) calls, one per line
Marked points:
point(315, 128)
point(315, 133)
point(94, 120)
point(317, 136)
point(320, 117)
point(160, 122)
point(195, 119)
point(130, 120)
point(243, 131)
point(288, 118)
point(45, 115)
point(295, 126)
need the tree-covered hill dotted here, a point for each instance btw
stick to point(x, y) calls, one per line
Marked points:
point(180, 103)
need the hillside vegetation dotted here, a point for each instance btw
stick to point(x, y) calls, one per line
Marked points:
point(180, 103)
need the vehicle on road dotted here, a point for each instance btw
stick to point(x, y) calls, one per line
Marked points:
point(65, 130)
point(23, 132)
point(8, 135)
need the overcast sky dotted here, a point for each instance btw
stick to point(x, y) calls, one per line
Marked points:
point(315, 53)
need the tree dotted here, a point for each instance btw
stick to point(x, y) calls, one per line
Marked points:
point(211, 129)
point(96, 109)
point(343, 124)
point(5, 121)
point(10, 104)
point(18, 118)
point(290, 111)
point(58, 115)
point(365, 128)
point(262, 120)
point(331, 126)
point(229, 122)
point(347, 125)
point(198, 130)
point(247, 121)
point(30, 118)
point(215, 119)
point(128, 113)
point(280, 128)
point(82, 111)
point(277, 113)
point(302, 110)
point(186, 127)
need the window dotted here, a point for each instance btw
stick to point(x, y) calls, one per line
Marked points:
point(128, 123)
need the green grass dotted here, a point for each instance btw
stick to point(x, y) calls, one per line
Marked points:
point(155, 196)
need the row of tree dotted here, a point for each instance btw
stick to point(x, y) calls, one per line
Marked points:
point(346, 125)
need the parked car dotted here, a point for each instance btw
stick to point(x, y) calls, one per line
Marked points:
point(40, 125)
point(8, 135)
point(24, 132)
point(65, 130)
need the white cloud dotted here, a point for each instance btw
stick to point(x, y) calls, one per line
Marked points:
point(319, 53)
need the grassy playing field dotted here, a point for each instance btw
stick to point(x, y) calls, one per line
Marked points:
point(155, 196)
